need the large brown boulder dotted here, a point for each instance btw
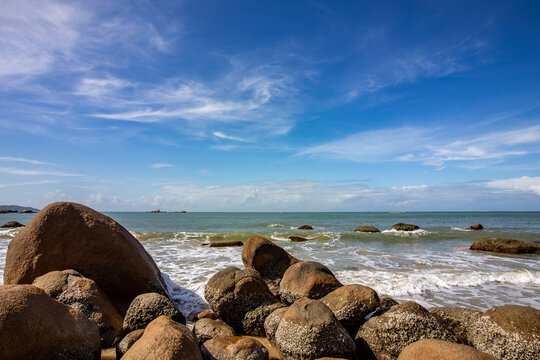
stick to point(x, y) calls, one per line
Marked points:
point(309, 330)
point(441, 350)
point(508, 332)
point(351, 304)
point(458, 320)
point(368, 229)
point(207, 329)
point(165, 339)
point(405, 227)
point(506, 246)
point(234, 348)
point(146, 307)
point(72, 236)
point(307, 279)
point(232, 293)
point(83, 294)
point(388, 334)
point(34, 326)
point(270, 260)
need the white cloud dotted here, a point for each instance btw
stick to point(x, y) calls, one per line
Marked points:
point(28, 183)
point(524, 183)
point(160, 165)
point(222, 135)
point(28, 161)
point(99, 87)
point(15, 171)
point(55, 195)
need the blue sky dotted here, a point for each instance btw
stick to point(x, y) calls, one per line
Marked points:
point(271, 106)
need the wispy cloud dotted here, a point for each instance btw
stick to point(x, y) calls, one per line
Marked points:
point(222, 135)
point(524, 183)
point(99, 87)
point(23, 160)
point(15, 171)
point(161, 165)
point(28, 183)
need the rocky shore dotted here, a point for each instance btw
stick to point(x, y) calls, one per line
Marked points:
point(77, 282)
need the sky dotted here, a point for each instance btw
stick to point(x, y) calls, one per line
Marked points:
point(271, 105)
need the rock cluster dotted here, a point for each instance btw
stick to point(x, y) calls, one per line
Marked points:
point(506, 246)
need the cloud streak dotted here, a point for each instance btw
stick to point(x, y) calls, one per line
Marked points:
point(522, 184)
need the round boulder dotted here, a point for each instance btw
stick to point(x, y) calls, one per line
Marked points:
point(34, 326)
point(351, 304)
point(146, 307)
point(367, 229)
point(207, 314)
point(441, 350)
point(388, 334)
point(307, 279)
point(506, 246)
point(253, 321)
point(67, 235)
point(309, 330)
point(234, 348)
point(127, 342)
point(306, 227)
point(405, 227)
point(458, 320)
point(165, 339)
point(207, 329)
point(476, 227)
point(271, 323)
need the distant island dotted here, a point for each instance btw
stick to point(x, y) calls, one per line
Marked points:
point(157, 211)
point(8, 209)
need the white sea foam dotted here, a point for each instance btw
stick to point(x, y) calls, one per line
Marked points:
point(187, 301)
point(401, 233)
point(462, 229)
point(276, 225)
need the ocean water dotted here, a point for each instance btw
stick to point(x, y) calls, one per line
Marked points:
point(432, 266)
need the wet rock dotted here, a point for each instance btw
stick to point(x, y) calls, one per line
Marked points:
point(271, 323)
point(309, 330)
point(253, 321)
point(307, 279)
point(83, 294)
point(388, 334)
point(508, 332)
point(296, 238)
point(147, 307)
point(476, 227)
point(234, 348)
point(387, 301)
point(34, 326)
point(207, 329)
point(12, 224)
point(270, 260)
point(72, 236)
point(368, 229)
point(165, 339)
point(350, 304)
point(207, 315)
point(127, 342)
point(305, 227)
point(231, 293)
point(227, 243)
point(405, 227)
point(506, 246)
point(27, 211)
point(441, 350)
point(458, 320)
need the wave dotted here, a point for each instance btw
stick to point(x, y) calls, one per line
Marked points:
point(276, 225)
point(462, 229)
point(186, 300)
point(401, 233)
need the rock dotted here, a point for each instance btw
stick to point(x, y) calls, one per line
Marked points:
point(351, 304)
point(476, 227)
point(72, 236)
point(506, 246)
point(271, 323)
point(146, 307)
point(165, 339)
point(12, 224)
point(8, 211)
point(309, 330)
point(207, 329)
point(127, 342)
point(253, 321)
point(226, 243)
point(368, 229)
point(297, 238)
point(27, 211)
point(80, 293)
point(305, 227)
point(231, 293)
point(207, 315)
point(458, 320)
point(307, 279)
point(441, 350)
point(34, 326)
point(508, 332)
point(405, 227)
point(270, 260)
point(388, 334)
point(234, 348)
point(387, 301)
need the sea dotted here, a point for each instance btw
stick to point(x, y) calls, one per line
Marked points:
point(432, 266)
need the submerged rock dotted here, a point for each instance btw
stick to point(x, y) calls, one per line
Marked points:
point(147, 307)
point(368, 229)
point(506, 246)
point(226, 243)
point(296, 238)
point(305, 227)
point(307, 279)
point(476, 227)
point(12, 224)
point(234, 348)
point(441, 350)
point(405, 227)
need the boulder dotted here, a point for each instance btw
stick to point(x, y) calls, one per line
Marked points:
point(441, 350)
point(351, 304)
point(146, 307)
point(388, 334)
point(387, 301)
point(207, 329)
point(207, 314)
point(27, 211)
point(234, 348)
point(165, 339)
point(227, 243)
point(72, 236)
point(271, 323)
point(296, 238)
point(458, 320)
point(34, 326)
point(12, 224)
point(368, 229)
point(508, 332)
point(127, 342)
point(306, 227)
point(270, 260)
point(309, 330)
point(476, 227)
point(253, 321)
point(506, 246)
point(405, 227)
point(307, 279)
point(231, 293)
point(83, 294)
